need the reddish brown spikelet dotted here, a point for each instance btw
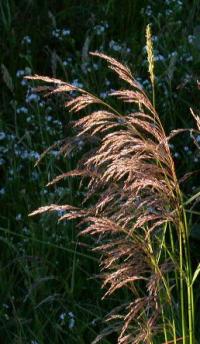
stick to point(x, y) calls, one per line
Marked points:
point(82, 102)
point(123, 72)
point(139, 98)
point(45, 79)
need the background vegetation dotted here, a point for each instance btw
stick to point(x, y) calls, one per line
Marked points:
point(47, 293)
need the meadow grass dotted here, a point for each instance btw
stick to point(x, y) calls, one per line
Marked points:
point(45, 270)
point(132, 205)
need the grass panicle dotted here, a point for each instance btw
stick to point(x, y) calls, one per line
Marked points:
point(133, 208)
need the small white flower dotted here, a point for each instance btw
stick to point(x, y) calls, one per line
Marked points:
point(67, 61)
point(54, 153)
point(26, 40)
point(168, 12)
point(103, 95)
point(71, 323)
point(76, 83)
point(49, 108)
point(49, 118)
point(27, 71)
point(34, 175)
point(58, 123)
point(61, 213)
point(95, 66)
point(189, 58)
point(22, 72)
point(107, 82)
point(115, 46)
point(99, 29)
point(71, 320)
point(176, 155)
point(41, 104)
point(29, 119)
point(94, 321)
point(11, 137)
point(56, 33)
point(191, 39)
point(71, 315)
point(34, 155)
point(159, 57)
point(148, 11)
point(25, 230)
point(19, 73)
point(146, 82)
point(24, 154)
point(18, 217)
point(32, 98)
point(155, 38)
point(5, 305)
point(2, 135)
point(172, 54)
point(63, 316)
point(22, 109)
point(121, 120)
point(80, 143)
point(2, 191)
point(65, 32)
point(24, 82)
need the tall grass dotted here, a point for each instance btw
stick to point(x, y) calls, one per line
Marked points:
point(133, 207)
point(34, 306)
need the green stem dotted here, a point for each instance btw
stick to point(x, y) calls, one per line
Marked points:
point(189, 282)
point(182, 286)
point(154, 95)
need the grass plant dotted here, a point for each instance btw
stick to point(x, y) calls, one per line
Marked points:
point(134, 209)
point(47, 293)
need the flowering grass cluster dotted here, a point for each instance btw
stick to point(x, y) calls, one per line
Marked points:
point(139, 207)
point(45, 268)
